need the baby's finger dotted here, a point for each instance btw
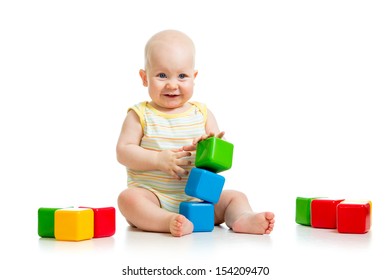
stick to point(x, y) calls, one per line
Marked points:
point(183, 154)
point(196, 140)
point(211, 134)
point(200, 138)
point(180, 172)
point(183, 162)
point(174, 175)
point(220, 135)
point(189, 148)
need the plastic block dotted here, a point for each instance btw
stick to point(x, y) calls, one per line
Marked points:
point(73, 224)
point(204, 184)
point(104, 221)
point(214, 154)
point(201, 214)
point(354, 216)
point(302, 210)
point(46, 221)
point(323, 212)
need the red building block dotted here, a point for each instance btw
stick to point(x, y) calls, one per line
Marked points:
point(354, 216)
point(104, 221)
point(323, 212)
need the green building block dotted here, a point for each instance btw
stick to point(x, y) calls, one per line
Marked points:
point(214, 154)
point(303, 210)
point(46, 221)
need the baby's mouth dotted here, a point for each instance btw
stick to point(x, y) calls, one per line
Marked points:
point(169, 95)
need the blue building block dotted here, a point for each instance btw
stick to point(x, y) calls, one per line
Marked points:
point(201, 214)
point(205, 185)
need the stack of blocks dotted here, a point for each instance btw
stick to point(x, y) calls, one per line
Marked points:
point(213, 155)
point(347, 216)
point(76, 224)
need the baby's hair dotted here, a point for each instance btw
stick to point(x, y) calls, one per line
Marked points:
point(167, 36)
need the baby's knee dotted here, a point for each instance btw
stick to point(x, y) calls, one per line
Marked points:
point(121, 199)
point(122, 195)
point(241, 195)
point(126, 197)
point(235, 194)
point(133, 196)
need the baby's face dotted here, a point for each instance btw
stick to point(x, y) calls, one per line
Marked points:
point(170, 75)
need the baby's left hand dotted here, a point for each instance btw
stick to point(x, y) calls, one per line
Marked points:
point(200, 138)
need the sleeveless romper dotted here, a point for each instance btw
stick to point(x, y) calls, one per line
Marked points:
point(164, 131)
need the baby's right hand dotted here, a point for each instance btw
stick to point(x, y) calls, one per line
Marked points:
point(171, 162)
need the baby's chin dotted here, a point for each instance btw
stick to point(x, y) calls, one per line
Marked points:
point(177, 106)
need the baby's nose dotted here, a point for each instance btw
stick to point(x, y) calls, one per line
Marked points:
point(172, 84)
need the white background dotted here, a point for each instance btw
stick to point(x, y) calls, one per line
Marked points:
point(300, 87)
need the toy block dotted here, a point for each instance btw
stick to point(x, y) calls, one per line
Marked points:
point(323, 212)
point(73, 224)
point(46, 221)
point(302, 210)
point(201, 214)
point(104, 221)
point(204, 184)
point(214, 154)
point(354, 216)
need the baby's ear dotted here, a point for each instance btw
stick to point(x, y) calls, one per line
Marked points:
point(144, 77)
point(195, 73)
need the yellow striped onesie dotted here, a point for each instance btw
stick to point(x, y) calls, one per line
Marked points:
point(164, 131)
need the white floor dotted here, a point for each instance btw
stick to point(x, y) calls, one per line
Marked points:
point(290, 251)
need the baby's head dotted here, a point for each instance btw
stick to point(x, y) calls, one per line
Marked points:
point(171, 42)
point(169, 69)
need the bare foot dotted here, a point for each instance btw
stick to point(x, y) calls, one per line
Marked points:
point(255, 223)
point(180, 225)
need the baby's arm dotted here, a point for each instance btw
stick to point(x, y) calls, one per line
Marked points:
point(132, 155)
point(212, 129)
point(212, 126)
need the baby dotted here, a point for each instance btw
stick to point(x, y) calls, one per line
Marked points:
point(157, 144)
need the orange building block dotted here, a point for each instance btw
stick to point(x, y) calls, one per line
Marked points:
point(354, 216)
point(74, 224)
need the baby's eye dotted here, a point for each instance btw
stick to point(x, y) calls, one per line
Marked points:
point(162, 75)
point(182, 76)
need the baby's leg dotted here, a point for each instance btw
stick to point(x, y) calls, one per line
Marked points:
point(233, 208)
point(141, 208)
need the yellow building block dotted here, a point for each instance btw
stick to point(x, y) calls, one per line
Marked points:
point(73, 224)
